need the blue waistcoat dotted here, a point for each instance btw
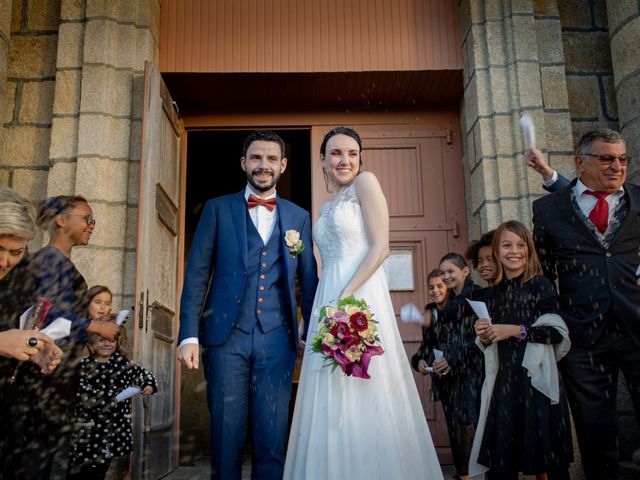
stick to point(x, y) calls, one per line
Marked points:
point(265, 298)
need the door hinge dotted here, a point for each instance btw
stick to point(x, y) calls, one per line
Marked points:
point(141, 310)
point(455, 231)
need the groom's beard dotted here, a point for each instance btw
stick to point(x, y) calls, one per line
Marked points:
point(275, 176)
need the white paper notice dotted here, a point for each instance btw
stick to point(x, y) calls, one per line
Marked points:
point(59, 328)
point(528, 130)
point(409, 313)
point(127, 393)
point(122, 316)
point(479, 308)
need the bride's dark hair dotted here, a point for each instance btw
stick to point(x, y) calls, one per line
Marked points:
point(349, 132)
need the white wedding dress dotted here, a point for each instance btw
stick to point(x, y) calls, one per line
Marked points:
point(347, 427)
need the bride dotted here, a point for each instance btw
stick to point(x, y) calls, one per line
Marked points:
point(346, 427)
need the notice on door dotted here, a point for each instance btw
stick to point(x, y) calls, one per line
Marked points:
point(398, 268)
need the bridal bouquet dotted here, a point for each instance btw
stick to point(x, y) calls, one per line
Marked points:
point(348, 336)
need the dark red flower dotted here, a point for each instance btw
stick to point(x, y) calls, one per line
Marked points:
point(359, 321)
point(340, 330)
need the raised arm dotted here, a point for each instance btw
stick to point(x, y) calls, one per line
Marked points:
point(376, 220)
point(551, 179)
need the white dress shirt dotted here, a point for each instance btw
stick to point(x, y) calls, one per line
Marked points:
point(263, 220)
point(552, 180)
point(261, 217)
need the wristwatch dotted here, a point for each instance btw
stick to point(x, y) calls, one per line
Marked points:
point(522, 335)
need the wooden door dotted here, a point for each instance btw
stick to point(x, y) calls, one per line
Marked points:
point(158, 272)
point(420, 170)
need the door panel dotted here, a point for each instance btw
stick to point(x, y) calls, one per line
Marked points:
point(158, 270)
point(420, 171)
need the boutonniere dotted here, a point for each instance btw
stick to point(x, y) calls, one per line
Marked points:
point(294, 244)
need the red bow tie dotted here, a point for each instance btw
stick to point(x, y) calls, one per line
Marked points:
point(269, 203)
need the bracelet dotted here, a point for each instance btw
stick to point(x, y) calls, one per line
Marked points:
point(522, 335)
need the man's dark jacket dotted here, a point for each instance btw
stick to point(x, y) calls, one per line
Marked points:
point(593, 279)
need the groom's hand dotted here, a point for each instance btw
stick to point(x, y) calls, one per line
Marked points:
point(189, 355)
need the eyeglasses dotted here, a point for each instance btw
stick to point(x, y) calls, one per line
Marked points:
point(607, 160)
point(91, 222)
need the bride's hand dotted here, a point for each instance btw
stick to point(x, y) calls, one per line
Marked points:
point(344, 294)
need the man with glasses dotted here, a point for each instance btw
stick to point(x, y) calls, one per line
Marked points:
point(588, 238)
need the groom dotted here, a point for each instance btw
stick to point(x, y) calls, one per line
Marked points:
point(246, 322)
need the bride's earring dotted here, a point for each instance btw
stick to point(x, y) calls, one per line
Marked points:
point(326, 180)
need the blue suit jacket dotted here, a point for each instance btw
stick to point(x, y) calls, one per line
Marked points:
point(219, 252)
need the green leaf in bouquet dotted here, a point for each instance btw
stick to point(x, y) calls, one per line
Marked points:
point(323, 313)
point(350, 300)
point(316, 344)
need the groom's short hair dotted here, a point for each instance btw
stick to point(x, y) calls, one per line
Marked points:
point(265, 136)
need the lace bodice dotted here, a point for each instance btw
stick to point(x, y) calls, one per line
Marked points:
point(339, 232)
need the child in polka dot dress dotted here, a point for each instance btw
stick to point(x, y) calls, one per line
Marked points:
point(102, 427)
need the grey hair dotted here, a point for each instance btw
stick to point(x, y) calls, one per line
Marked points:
point(17, 215)
point(587, 140)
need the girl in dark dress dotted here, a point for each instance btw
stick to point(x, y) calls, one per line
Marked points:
point(525, 431)
point(458, 378)
point(102, 425)
point(437, 296)
point(480, 254)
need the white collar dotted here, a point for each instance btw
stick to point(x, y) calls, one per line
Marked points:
point(249, 191)
point(580, 188)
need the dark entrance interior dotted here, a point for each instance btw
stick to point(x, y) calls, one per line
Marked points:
point(213, 169)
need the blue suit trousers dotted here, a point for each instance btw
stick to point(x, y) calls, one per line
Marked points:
point(249, 378)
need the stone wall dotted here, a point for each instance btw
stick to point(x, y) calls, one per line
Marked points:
point(585, 38)
point(95, 146)
point(624, 33)
point(513, 63)
point(28, 94)
point(5, 37)
point(574, 65)
point(71, 74)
